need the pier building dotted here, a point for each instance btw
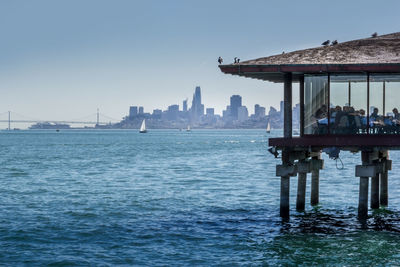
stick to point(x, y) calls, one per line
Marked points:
point(349, 100)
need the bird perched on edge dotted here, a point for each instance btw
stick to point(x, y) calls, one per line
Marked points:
point(334, 42)
point(375, 34)
point(235, 60)
point(220, 60)
point(326, 43)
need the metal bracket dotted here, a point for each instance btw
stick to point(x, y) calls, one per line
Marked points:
point(286, 170)
point(366, 170)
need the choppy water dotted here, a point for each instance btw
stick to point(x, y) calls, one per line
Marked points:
point(177, 198)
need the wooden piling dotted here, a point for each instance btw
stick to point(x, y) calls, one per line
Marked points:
point(287, 105)
point(383, 198)
point(287, 133)
point(363, 199)
point(314, 187)
point(285, 189)
point(363, 191)
point(301, 191)
point(375, 191)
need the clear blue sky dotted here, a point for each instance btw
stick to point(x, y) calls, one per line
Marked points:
point(64, 59)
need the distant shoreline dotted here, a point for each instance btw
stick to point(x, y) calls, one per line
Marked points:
point(113, 129)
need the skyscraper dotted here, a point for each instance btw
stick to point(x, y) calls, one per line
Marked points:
point(133, 111)
point(236, 102)
point(141, 110)
point(243, 113)
point(185, 105)
point(197, 109)
point(259, 111)
point(172, 113)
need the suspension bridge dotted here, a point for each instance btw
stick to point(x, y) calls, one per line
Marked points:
point(97, 118)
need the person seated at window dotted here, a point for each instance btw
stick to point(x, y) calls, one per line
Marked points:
point(374, 116)
point(353, 123)
point(322, 120)
point(335, 112)
point(321, 112)
point(396, 116)
point(396, 121)
point(361, 114)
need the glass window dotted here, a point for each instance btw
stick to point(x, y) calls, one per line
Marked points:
point(348, 104)
point(384, 104)
point(315, 104)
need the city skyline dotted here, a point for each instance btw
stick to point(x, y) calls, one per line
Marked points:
point(114, 55)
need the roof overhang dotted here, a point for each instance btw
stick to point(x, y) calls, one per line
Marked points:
point(274, 73)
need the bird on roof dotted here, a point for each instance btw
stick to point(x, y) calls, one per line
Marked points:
point(220, 60)
point(334, 42)
point(375, 34)
point(326, 43)
point(238, 60)
point(235, 60)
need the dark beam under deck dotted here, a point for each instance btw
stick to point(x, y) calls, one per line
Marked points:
point(342, 141)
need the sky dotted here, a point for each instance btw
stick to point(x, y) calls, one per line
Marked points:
point(61, 60)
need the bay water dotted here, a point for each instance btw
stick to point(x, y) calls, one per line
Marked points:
point(169, 197)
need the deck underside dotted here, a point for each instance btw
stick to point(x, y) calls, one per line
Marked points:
point(345, 142)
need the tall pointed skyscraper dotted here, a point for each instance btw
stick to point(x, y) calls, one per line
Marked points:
point(197, 109)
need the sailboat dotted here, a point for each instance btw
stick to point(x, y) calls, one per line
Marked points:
point(143, 127)
point(268, 128)
point(188, 129)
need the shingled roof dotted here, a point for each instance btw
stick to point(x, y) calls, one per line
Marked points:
point(374, 54)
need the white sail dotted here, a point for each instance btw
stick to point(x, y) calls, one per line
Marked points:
point(268, 128)
point(188, 128)
point(143, 127)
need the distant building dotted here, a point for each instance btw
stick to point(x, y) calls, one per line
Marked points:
point(296, 116)
point(236, 102)
point(173, 112)
point(197, 109)
point(226, 114)
point(133, 111)
point(141, 110)
point(185, 109)
point(210, 112)
point(157, 111)
point(243, 113)
point(259, 112)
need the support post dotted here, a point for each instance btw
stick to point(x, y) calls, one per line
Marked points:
point(301, 96)
point(363, 192)
point(375, 191)
point(287, 133)
point(285, 189)
point(285, 186)
point(287, 105)
point(383, 198)
point(314, 187)
point(301, 191)
point(384, 180)
point(363, 199)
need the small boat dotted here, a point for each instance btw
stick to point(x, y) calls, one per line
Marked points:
point(143, 127)
point(268, 128)
point(188, 129)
